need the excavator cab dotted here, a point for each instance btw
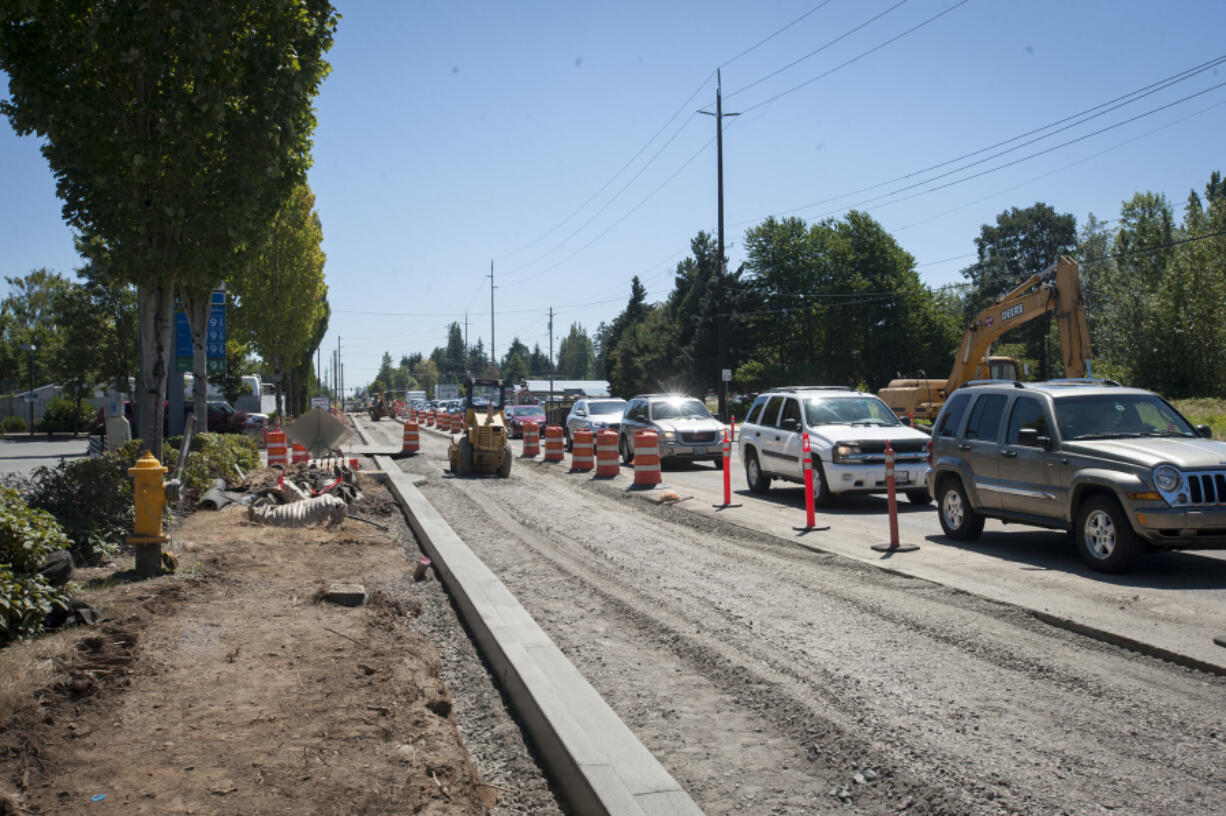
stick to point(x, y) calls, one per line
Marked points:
point(484, 445)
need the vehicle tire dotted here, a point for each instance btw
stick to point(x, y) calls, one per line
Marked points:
point(569, 443)
point(822, 497)
point(623, 445)
point(464, 466)
point(919, 497)
point(505, 470)
point(719, 463)
point(758, 481)
point(1105, 539)
point(374, 416)
point(958, 520)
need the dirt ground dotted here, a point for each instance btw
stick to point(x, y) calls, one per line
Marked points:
point(233, 687)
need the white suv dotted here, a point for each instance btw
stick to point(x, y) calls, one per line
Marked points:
point(847, 434)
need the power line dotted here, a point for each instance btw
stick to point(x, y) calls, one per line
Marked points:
point(770, 37)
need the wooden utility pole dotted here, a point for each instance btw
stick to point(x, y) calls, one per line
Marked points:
point(721, 313)
point(493, 358)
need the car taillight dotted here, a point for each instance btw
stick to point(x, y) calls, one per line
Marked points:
point(928, 449)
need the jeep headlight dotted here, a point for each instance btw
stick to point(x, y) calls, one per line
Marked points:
point(668, 436)
point(1167, 477)
point(845, 452)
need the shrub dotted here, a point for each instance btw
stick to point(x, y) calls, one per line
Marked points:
point(212, 456)
point(14, 423)
point(63, 412)
point(27, 536)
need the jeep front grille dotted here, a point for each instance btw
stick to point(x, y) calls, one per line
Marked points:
point(1206, 488)
point(698, 437)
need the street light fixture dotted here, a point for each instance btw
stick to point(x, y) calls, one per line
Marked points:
point(30, 347)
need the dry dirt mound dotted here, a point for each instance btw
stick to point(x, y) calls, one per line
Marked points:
point(231, 687)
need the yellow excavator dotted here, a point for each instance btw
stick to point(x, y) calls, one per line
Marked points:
point(483, 447)
point(1056, 289)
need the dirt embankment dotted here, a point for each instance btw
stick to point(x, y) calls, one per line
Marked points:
point(231, 687)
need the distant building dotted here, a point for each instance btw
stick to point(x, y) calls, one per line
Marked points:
point(539, 390)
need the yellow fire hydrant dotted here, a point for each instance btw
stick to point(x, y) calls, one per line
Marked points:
point(150, 494)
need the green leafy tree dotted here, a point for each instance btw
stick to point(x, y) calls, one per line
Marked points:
point(29, 311)
point(635, 311)
point(455, 360)
point(575, 354)
point(427, 373)
point(175, 135)
point(539, 364)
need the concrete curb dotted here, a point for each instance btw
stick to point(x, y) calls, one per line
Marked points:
point(593, 757)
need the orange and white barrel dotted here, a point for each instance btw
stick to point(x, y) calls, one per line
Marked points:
point(532, 440)
point(300, 454)
point(278, 450)
point(554, 444)
point(646, 459)
point(430, 417)
point(583, 451)
point(606, 453)
point(412, 439)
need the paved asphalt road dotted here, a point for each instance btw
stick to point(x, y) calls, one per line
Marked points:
point(22, 453)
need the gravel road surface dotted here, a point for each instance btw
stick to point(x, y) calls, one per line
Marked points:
point(772, 679)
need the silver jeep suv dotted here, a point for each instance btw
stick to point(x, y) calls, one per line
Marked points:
point(1119, 467)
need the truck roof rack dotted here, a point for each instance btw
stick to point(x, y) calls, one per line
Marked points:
point(795, 388)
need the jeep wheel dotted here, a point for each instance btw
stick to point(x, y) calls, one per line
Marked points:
point(919, 497)
point(758, 481)
point(822, 497)
point(570, 445)
point(1105, 540)
point(958, 520)
point(623, 445)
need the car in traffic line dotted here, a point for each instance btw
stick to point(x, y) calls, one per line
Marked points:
point(847, 430)
point(1119, 467)
point(684, 428)
point(516, 416)
point(594, 415)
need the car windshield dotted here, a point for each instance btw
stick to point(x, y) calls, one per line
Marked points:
point(679, 409)
point(865, 410)
point(529, 410)
point(222, 406)
point(606, 407)
point(484, 395)
point(1114, 416)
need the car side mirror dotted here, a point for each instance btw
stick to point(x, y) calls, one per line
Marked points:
point(906, 420)
point(790, 424)
point(1030, 438)
point(580, 412)
point(1205, 431)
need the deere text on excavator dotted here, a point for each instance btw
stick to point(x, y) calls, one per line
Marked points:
point(483, 447)
point(1057, 289)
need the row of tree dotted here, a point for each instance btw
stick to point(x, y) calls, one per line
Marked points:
point(840, 302)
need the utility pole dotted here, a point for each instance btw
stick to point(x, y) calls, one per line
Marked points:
point(340, 375)
point(550, 354)
point(493, 357)
point(721, 316)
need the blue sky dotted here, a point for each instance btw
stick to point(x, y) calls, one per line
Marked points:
point(561, 142)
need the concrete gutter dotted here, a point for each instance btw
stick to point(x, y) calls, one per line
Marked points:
point(590, 754)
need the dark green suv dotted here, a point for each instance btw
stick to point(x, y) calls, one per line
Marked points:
point(1119, 467)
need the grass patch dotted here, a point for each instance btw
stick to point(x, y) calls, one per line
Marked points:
point(1209, 411)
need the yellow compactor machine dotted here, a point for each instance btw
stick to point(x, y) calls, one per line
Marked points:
point(483, 447)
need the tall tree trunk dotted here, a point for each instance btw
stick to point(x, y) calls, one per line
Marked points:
point(156, 306)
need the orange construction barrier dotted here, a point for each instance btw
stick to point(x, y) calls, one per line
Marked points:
point(554, 444)
point(278, 451)
point(412, 441)
point(300, 454)
point(606, 454)
point(532, 441)
point(646, 459)
point(430, 418)
point(583, 453)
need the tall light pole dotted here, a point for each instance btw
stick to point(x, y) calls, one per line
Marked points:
point(30, 347)
point(721, 317)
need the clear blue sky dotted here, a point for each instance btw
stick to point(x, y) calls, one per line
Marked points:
point(454, 133)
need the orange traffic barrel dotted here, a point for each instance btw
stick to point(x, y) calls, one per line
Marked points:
point(430, 418)
point(412, 442)
point(278, 451)
point(554, 444)
point(583, 454)
point(532, 440)
point(646, 459)
point(300, 454)
point(606, 453)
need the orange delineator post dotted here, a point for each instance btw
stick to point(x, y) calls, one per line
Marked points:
point(278, 451)
point(646, 459)
point(583, 453)
point(891, 493)
point(554, 444)
point(807, 456)
point(727, 475)
point(606, 454)
point(532, 440)
point(412, 440)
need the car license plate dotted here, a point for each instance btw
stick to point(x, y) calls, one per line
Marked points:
point(698, 451)
point(902, 476)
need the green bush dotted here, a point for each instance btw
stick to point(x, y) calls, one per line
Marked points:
point(212, 456)
point(14, 424)
point(27, 537)
point(61, 413)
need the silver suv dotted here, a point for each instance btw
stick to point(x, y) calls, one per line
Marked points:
point(847, 434)
point(1119, 467)
point(684, 428)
